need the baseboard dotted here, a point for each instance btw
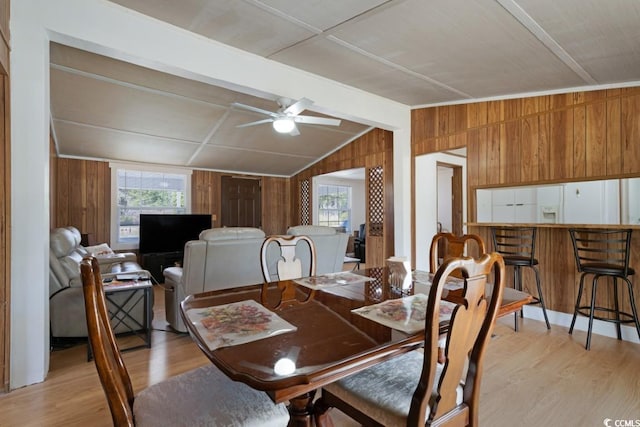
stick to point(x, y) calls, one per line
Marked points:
point(600, 327)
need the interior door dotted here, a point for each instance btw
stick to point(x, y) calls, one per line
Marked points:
point(241, 202)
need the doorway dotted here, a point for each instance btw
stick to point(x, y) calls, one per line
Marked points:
point(450, 198)
point(241, 202)
point(426, 200)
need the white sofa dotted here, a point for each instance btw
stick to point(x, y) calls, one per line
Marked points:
point(229, 257)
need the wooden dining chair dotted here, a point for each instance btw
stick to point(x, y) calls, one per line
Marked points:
point(414, 389)
point(447, 245)
point(286, 265)
point(280, 262)
point(203, 396)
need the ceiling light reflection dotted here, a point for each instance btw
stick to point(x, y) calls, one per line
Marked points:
point(284, 366)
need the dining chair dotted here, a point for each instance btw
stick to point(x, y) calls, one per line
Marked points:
point(517, 245)
point(414, 389)
point(280, 262)
point(603, 253)
point(202, 396)
point(447, 245)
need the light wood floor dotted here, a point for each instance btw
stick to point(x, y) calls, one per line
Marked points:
point(532, 378)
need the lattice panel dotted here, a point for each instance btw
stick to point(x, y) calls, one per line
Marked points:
point(376, 201)
point(305, 202)
point(374, 289)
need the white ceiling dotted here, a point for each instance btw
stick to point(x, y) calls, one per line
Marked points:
point(415, 52)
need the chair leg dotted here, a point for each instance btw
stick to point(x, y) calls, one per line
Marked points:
point(634, 310)
point(575, 310)
point(593, 309)
point(518, 286)
point(616, 305)
point(541, 298)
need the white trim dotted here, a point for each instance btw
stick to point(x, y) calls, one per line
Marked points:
point(557, 318)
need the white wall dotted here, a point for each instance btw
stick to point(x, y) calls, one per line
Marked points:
point(106, 28)
point(426, 196)
point(444, 198)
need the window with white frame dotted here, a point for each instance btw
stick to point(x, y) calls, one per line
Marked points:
point(137, 190)
point(334, 206)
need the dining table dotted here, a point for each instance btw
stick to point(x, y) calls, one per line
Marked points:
point(289, 338)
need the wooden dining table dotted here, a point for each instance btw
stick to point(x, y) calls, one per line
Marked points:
point(329, 340)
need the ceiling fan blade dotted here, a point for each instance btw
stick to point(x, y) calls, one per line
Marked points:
point(259, 122)
point(311, 120)
point(254, 109)
point(294, 131)
point(298, 107)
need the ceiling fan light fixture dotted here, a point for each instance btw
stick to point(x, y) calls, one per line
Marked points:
point(283, 124)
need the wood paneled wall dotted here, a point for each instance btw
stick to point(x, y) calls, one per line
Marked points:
point(373, 149)
point(5, 196)
point(81, 196)
point(5, 232)
point(206, 194)
point(545, 139)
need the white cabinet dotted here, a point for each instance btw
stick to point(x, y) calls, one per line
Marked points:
point(513, 205)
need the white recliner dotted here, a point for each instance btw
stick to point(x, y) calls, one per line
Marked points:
point(221, 258)
point(66, 302)
point(331, 247)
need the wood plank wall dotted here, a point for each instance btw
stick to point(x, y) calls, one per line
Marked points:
point(375, 148)
point(5, 232)
point(545, 139)
point(206, 194)
point(5, 197)
point(81, 196)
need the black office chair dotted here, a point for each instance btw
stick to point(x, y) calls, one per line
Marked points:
point(359, 244)
point(603, 253)
point(517, 245)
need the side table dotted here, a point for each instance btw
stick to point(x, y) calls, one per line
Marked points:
point(139, 292)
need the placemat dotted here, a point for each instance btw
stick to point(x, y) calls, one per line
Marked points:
point(404, 314)
point(332, 279)
point(237, 323)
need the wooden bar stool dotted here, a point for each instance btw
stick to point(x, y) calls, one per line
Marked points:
point(517, 245)
point(603, 253)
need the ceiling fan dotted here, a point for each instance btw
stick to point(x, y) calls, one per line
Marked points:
point(284, 120)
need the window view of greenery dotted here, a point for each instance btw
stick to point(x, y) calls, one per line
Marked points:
point(149, 193)
point(334, 206)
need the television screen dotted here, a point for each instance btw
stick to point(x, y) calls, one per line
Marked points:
point(168, 232)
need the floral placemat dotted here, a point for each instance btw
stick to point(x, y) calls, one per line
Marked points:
point(426, 278)
point(236, 323)
point(406, 314)
point(332, 279)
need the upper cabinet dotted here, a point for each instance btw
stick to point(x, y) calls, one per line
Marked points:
point(611, 201)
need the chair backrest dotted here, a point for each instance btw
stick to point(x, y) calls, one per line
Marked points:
point(288, 266)
point(602, 250)
point(112, 371)
point(454, 247)
point(515, 242)
point(469, 333)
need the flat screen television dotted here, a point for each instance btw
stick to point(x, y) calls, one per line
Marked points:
point(169, 232)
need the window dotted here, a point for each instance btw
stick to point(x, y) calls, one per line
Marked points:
point(136, 191)
point(334, 206)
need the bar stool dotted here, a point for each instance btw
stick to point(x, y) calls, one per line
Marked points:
point(603, 253)
point(517, 245)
